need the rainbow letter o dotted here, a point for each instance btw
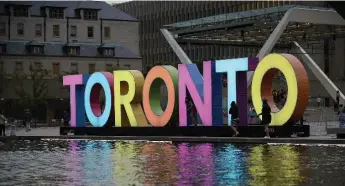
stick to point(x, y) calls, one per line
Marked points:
point(297, 84)
point(93, 109)
point(151, 94)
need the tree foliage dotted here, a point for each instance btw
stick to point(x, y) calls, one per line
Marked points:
point(35, 94)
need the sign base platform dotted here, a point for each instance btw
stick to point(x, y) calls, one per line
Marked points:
point(200, 131)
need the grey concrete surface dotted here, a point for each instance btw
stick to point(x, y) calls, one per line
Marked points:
point(318, 137)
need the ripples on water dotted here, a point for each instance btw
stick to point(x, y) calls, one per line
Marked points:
point(83, 162)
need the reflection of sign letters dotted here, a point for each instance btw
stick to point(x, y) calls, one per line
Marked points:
point(135, 101)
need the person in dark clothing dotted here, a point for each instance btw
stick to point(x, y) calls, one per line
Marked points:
point(191, 111)
point(66, 119)
point(234, 117)
point(266, 117)
point(27, 119)
point(3, 121)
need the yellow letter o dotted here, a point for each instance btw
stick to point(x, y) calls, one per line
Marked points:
point(297, 85)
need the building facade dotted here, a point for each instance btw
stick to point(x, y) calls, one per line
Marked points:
point(64, 37)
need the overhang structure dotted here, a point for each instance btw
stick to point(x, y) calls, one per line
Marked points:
point(293, 27)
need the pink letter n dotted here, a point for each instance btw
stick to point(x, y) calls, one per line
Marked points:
point(200, 89)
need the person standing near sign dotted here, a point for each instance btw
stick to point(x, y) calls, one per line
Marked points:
point(318, 101)
point(27, 120)
point(266, 117)
point(190, 111)
point(234, 117)
point(342, 119)
point(66, 119)
point(3, 121)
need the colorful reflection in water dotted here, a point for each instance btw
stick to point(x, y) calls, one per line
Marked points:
point(275, 165)
point(196, 164)
point(126, 165)
point(145, 163)
point(231, 165)
point(97, 168)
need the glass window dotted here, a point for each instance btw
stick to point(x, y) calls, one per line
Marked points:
point(37, 50)
point(264, 4)
point(253, 5)
point(92, 68)
point(38, 65)
point(248, 6)
point(56, 68)
point(18, 67)
point(90, 32)
point(108, 52)
point(38, 30)
point(90, 14)
point(56, 30)
point(20, 29)
point(107, 32)
point(127, 66)
point(258, 5)
point(74, 68)
point(20, 11)
point(56, 13)
point(73, 51)
point(2, 28)
point(73, 31)
point(108, 67)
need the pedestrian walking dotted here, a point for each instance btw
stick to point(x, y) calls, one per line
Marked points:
point(3, 121)
point(27, 119)
point(342, 119)
point(266, 117)
point(337, 100)
point(233, 111)
point(66, 119)
point(318, 101)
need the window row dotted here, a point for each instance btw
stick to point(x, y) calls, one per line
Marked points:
point(38, 49)
point(56, 13)
point(55, 30)
point(73, 67)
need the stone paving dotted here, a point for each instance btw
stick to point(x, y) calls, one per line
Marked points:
point(317, 137)
point(42, 131)
point(316, 130)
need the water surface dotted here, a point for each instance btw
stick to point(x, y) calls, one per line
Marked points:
point(86, 162)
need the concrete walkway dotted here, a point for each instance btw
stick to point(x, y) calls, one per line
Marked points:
point(42, 131)
point(53, 132)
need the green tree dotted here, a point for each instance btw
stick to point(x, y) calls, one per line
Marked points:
point(33, 96)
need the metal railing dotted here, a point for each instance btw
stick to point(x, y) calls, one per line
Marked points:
point(319, 119)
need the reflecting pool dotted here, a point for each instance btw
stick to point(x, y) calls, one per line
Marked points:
point(86, 162)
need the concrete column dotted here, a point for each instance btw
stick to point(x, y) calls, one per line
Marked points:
point(176, 47)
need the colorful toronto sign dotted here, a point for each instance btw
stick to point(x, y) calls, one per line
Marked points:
point(134, 101)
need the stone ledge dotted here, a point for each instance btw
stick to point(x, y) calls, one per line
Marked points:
point(188, 139)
